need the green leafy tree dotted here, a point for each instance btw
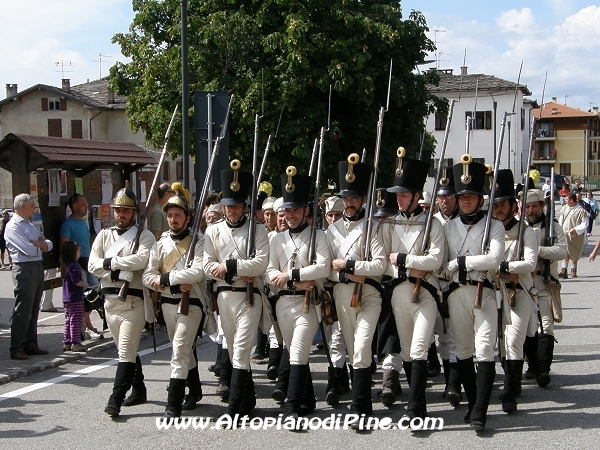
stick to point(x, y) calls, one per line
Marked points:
point(293, 52)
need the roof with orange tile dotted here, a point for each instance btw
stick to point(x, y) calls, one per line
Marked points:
point(553, 110)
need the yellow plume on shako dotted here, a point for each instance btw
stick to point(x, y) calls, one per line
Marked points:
point(266, 187)
point(181, 190)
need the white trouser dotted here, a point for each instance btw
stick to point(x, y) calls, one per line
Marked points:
point(447, 346)
point(126, 322)
point(392, 361)
point(297, 328)
point(544, 305)
point(358, 324)
point(515, 332)
point(474, 329)
point(414, 321)
point(336, 343)
point(240, 325)
point(182, 333)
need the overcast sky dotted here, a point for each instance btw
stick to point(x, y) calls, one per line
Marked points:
point(558, 36)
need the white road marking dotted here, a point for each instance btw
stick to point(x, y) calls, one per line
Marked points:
point(84, 371)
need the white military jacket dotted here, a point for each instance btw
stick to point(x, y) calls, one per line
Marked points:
point(290, 253)
point(525, 267)
point(403, 234)
point(124, 260)
point(223, 243)
point(465, 240)
point(554, 253)
point(345, 239)
point(179, 274)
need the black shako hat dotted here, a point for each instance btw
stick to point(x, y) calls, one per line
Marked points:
point(471, 183)
point(446, 185)
point(505, 186)
point(354, 178)
point(235, 186)
point(530, 185)
point(413, 173)
point(295, 188)
point(385, 202)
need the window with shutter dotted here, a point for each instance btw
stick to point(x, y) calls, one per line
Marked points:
point(55, 127)
point(76, 129)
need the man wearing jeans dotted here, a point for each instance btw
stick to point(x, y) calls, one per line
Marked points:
point(25, 245)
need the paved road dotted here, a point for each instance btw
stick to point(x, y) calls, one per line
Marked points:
point(55, 402)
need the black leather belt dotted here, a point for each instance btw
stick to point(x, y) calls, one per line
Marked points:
point(288, 292)
point(454, 286)
point(176, 301)
point(115, 291)
point(235, 289)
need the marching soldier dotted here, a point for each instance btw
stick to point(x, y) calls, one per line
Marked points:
point(113, 260)
point(545, 280)
point(447, 210)
point(226, 261)
point(358, 323)
point(403, 237)
point(166, 273)
point(291, 273)
point(515, 274)
point(474, 329)
point(388, 342)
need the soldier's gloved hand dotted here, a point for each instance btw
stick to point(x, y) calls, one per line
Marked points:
point(453, 266)
point(477, 275)
point(126, 276)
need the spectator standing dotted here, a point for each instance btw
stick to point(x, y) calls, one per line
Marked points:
point(72, 296)
point(593, 210)
point(76, 229)
point(3, 222)
point(546, 187)
point(26, 245)
point(158, 219)
point(563, 195)
point(574, 221)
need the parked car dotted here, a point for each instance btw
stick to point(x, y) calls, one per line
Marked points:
point(559, 181)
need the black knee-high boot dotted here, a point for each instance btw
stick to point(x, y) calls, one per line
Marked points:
point(530, 348)
point(283, 377)
point(433, 362)
point(195, 387)
point(416, 399)
point(513, 370)
point(361, 392)
point(486, 372)
point(138, 388)
point(295, 392)
point(175, 397)
point(468, 378)
point(453, 388)
point(239, 379)
point(225, 376)
point(544, 359)
point(274, 360)
point(123, 380)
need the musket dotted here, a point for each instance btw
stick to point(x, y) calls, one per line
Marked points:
point(267, 148)
point(427, 232)
point(365, 249)
point(312, 245)
point(485, 242)
point(512, 293)
point(184, 305)
point(251, 248)
point(549, 240)
point(151, 200)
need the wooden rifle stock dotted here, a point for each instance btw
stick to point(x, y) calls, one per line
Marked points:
point(478, 295)
point(125, 287)
point(356, 296)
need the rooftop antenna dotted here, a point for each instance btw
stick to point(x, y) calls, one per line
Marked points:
point(101, 61)
point(437, 61)
point(62, 65)
point(567, 95)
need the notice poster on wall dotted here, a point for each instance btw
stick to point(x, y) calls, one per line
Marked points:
point(53, 187)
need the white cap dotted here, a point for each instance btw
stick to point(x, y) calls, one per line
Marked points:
point(535, 195)
point(426, 200)
point(334, 203)
point(268, 203)
point(215, 208)
point(277, 204)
